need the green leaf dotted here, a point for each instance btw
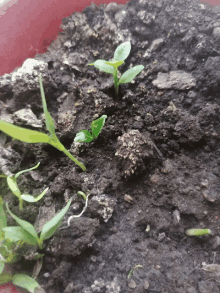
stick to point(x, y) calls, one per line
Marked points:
point(97, 125)
point(5, 278)
point(3, 219)
point(31, 198)
point(2, 266)
point(23, 134)
point(13, 186)
point(197, 232)
point(49, 120)
point(115, 64)
point(122, 51)
point(16, 233)
point(24, 171)
point(130, 74)
point(50, 227)
point(25, 282)
point(100, 64)
point(83, 136)
point(27, 226)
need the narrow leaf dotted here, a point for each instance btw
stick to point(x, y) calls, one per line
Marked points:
point(2, 266)
point(27, 226)
point(115, 64)
point(49, 120)
point(50, 227)
point(130, 74)
point(97, 125)
point(31, 198)
point(24, 171)
point(13, 186)
point(3, 219)
point(16, 233)
point(23, 134)
point(122, 51)
point(101, 65)
point(83, 136)
point(197, 232)
point(25, 282)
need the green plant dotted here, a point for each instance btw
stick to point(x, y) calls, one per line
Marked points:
point(14, 236)
point(121, 53)
point(197, 232)
point(134, 269)
point(86, 198)
point(33, 136)
point(12, 184)
point(96, 127)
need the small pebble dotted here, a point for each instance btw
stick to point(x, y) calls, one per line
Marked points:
point(146, 285)
point(132, 284)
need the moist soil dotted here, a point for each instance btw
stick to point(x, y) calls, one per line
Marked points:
point(152, 173)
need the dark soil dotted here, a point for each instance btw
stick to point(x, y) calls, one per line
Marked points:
point(154, 170)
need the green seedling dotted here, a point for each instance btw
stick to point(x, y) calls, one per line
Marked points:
point(121, 53)
point(96, 127)
point(86, 198)
point(198, 232)
point(12, 184)
point(32, 136)
point(12, 237)
point(134, 269)
point(8, 255)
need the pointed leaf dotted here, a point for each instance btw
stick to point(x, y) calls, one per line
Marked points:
point(83, 136)
point(31, 198)
point(50, 227)
point(97, 125)
point(16, 233)
point(13, 186)
point(25, 282)
point(49, 120)
point(24, 171)
point(23, 134)
point(101, 65)
point(122, 51)
point(27, 226)
point(2, 266)
point(3, 219)
point(130, 74)
point(115, 64)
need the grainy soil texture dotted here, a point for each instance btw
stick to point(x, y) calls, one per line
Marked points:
point(154, 170)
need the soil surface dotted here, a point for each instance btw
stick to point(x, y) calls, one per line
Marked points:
point(154, 170)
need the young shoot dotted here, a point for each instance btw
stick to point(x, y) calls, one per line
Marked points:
point(12, 184)
point(33, 136)
point(96, 127)
point(198, 232)
point(121, 53)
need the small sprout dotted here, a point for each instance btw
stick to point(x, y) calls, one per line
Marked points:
point(96, 127)
point(80, 193)
point(134, 269)
point(32, 136)
point(148, 228)
point(12, 184)
point(86, 198)
point(198, 232)
point(121, 53)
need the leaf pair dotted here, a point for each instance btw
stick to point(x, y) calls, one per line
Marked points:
point(121, 53)
point(33, 136)
point(20, 280)
point(96, 127)
point(12, 184)
point(27, 233)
